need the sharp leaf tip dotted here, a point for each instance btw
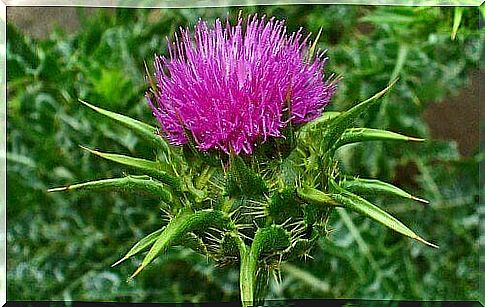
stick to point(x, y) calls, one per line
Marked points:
point(118, 262)
point(58, 189)
point(424, 201)
point(426, 242)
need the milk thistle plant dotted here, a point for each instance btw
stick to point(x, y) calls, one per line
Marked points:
point(246, 172)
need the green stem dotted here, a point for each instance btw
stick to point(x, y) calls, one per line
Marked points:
point(247, 275)
point(266, 239)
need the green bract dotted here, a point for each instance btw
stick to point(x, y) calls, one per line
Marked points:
point(257, 210)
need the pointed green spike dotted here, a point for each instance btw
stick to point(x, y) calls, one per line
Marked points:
point(149, 76)
point(311, 52)
point(344, 120)
point(143, 183)
point(456, 21)
point(356, 203)
point(354, 135)
point(140, 246)
point(142, 129)
point(376, 186)
point(151, 167)
point(184, 222)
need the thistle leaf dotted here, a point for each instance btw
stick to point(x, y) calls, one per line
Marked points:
point(343, 121)
point(356, 203)
point(143, 183)
point(354, 135)
point(142, 129)
point(376, 186)
point(150, 167)
point(140, 246)
point(184, 222)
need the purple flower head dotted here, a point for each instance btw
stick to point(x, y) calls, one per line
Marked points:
point(231, 87)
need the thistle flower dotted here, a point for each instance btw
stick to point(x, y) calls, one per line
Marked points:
point(232, 87)
point(230, 90)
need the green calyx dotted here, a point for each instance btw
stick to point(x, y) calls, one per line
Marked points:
point(255, 211)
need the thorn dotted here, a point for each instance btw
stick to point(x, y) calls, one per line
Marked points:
point(254, 213)
point(275, 278)
point(90, 150)
point(306, 255)
point(243, 226)
point(119, 261)
point(261, 204)
point(58, 189)
point(298, 237)
point(244, 236)
point(426, 242)
point(285, 222)
point(415, 139)
point(299, 222)
point(217, 230)
point(140, 268)
point(212, 238)
point(215, 242)
point(420, 199)
point(296, 227)
point(86, 104)
point(252, 208)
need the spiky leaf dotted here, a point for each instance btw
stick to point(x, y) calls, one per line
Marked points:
point(354, 135)
point(144, 130)
point(337, 126)
point(128, 183)
point(374, 186)
point(150, 167)
point(356, 203)
point(185, 221)
point(141, 245)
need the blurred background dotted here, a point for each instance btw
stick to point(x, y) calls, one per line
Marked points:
point(61, 246)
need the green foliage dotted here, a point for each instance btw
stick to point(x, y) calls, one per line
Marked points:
point(65, 242)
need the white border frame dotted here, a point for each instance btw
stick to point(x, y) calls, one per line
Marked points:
point(161, 4)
